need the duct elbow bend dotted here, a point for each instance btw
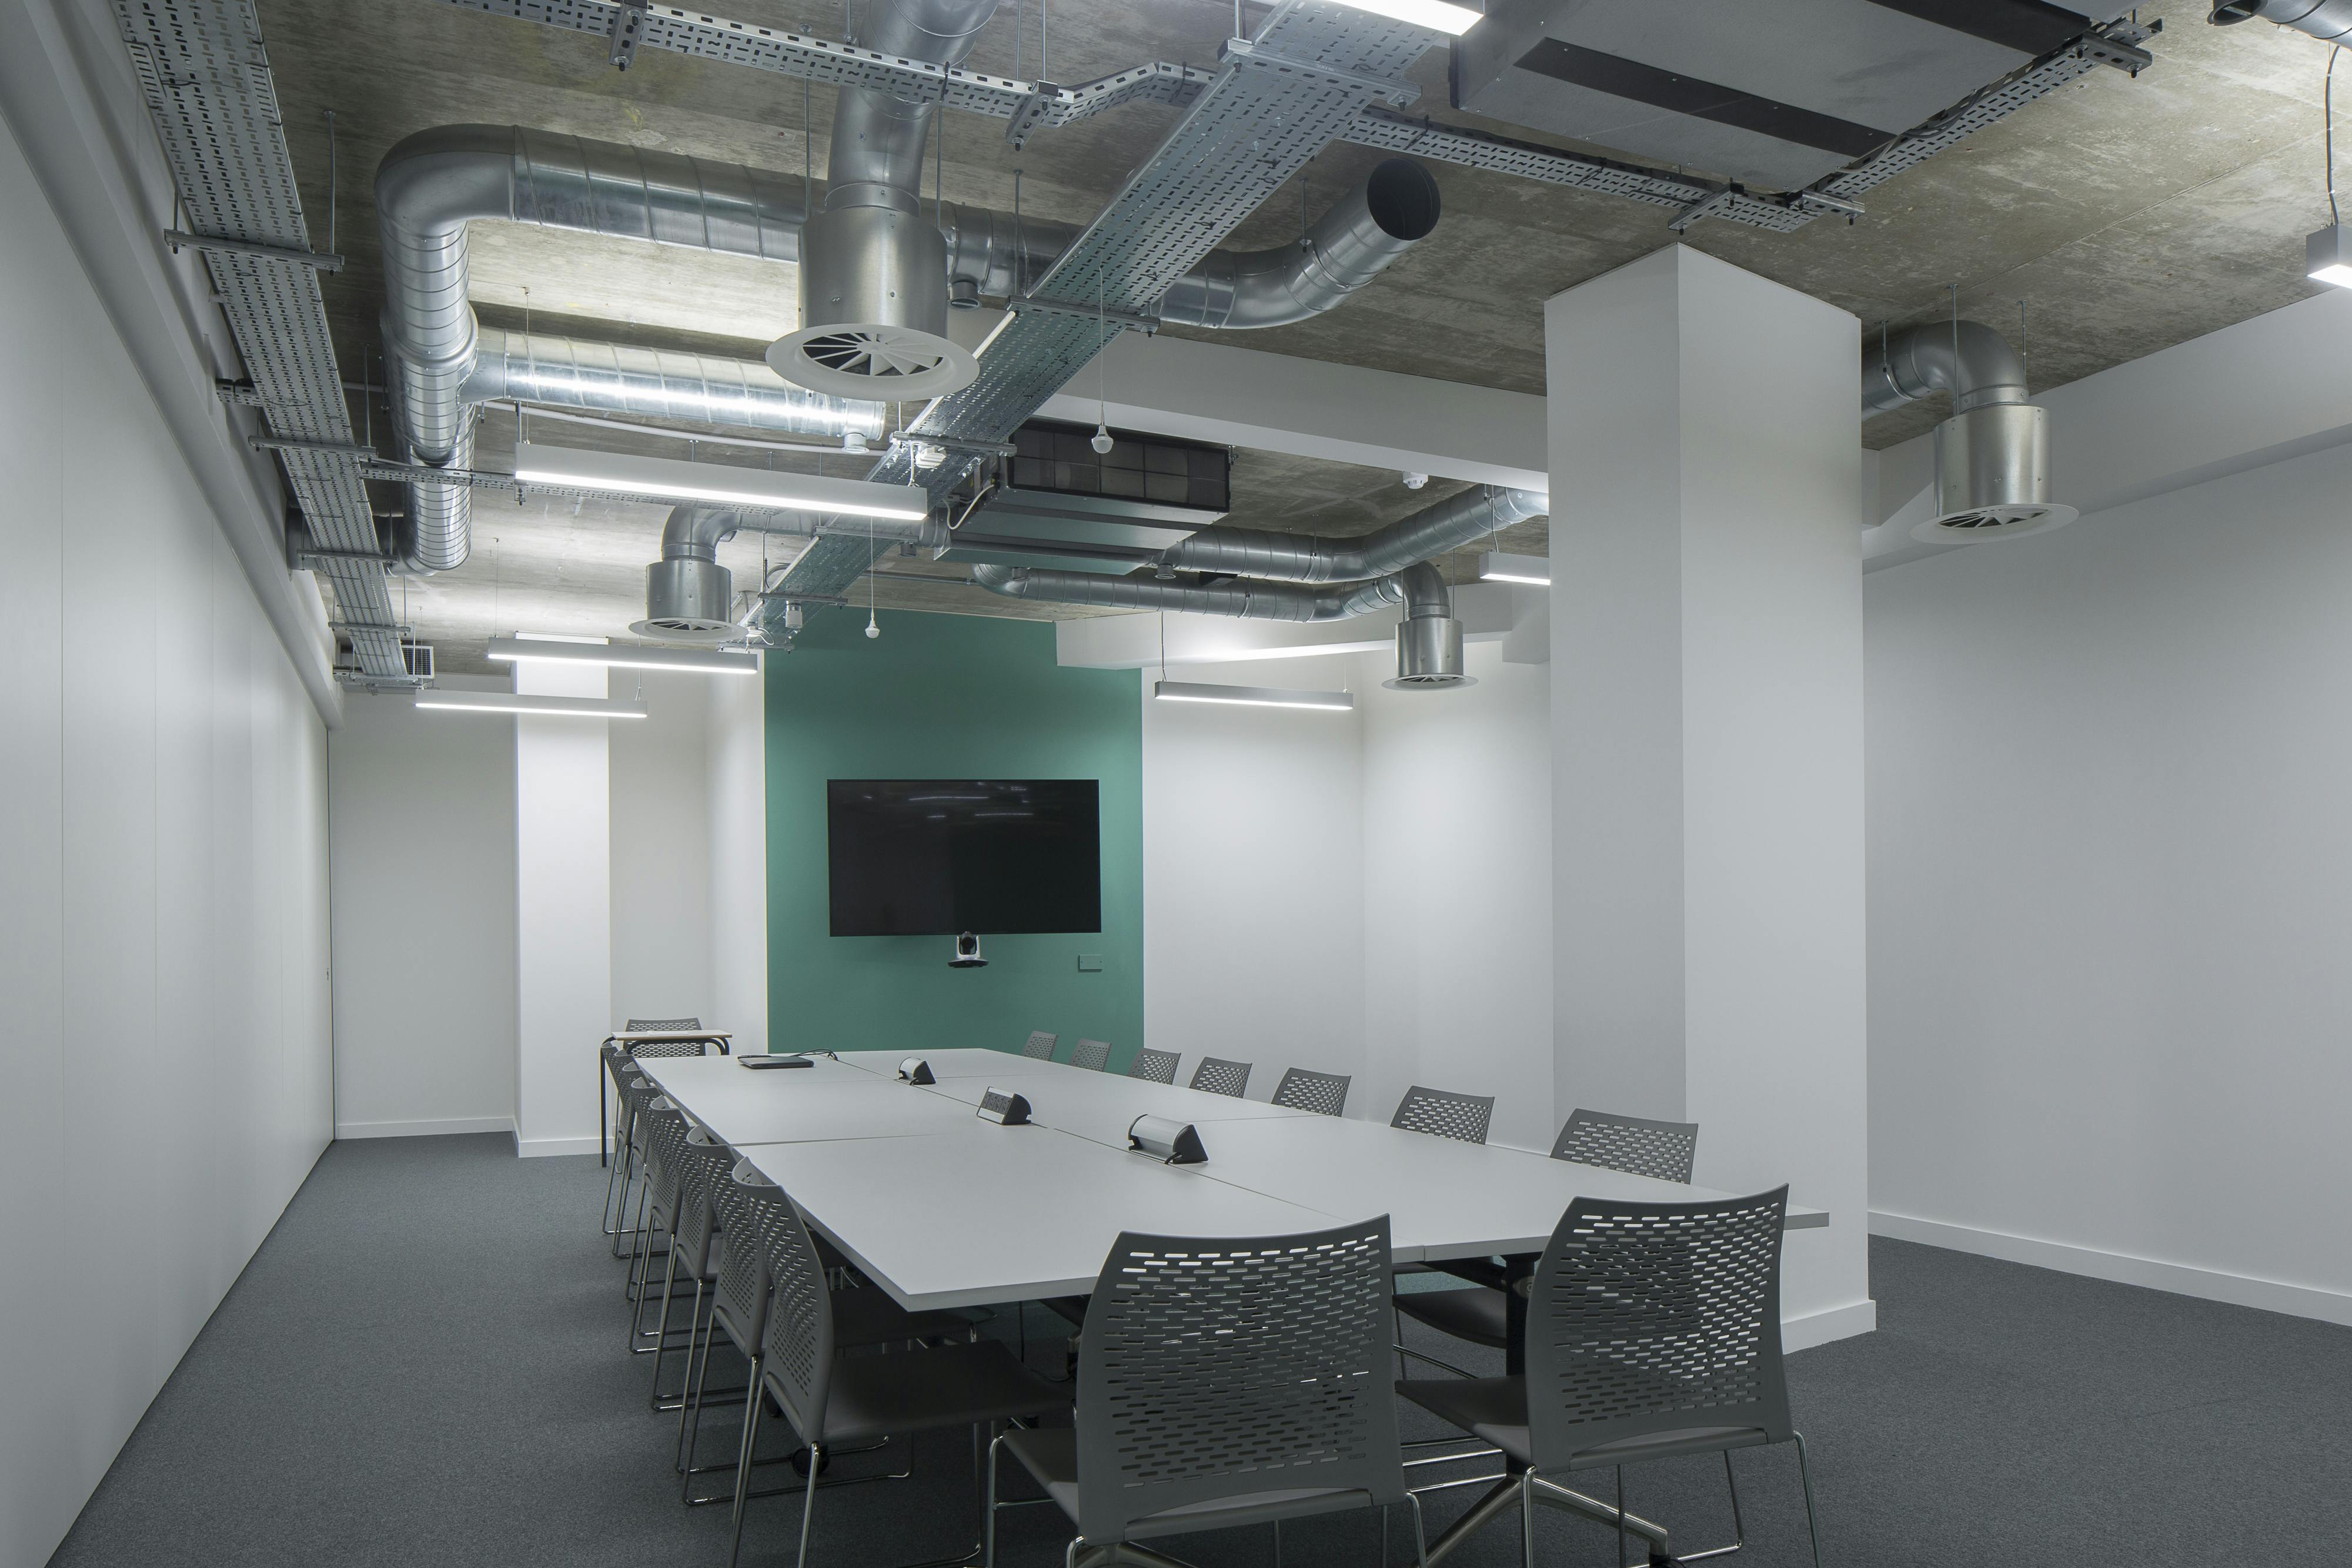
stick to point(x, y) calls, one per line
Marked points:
point(440, 178)
point(996, 579)
point(1968, 360)
point(1354, 242)
point(1426, 597)
point(2328, 20)
point(694, 533)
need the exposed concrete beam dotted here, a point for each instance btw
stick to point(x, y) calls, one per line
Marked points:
point(1237, 396)
point(2258, 392)
point(1518, 618)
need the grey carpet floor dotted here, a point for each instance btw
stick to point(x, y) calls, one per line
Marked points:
point(424, 1365)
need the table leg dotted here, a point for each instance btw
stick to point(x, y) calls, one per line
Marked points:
point(1517, 1273)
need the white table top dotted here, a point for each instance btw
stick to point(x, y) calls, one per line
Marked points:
point(1444, 1198)
point(648, 1036)
point(987, 1214)
point(1102, 1107)
point(942, 1209)
point(745, 1105)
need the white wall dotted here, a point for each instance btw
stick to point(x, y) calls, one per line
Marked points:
point(422, 805)
point(564, 911)
point(2109, 852)
point(1456, 913)
point(662, 863)
point(1361, 893)
point(735, 738)
point(1254, 877)
point(162, 853)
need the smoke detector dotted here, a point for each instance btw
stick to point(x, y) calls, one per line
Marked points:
point(873, 307)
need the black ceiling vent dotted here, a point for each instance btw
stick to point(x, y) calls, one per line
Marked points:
point(1058, 503)
point(1051, 456)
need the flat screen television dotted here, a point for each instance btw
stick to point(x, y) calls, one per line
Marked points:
point(934, 857)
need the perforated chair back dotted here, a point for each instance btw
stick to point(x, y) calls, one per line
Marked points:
point(638, 1092)
point(703, 1163)
point(1094, 1055)
point(1302, 1089)
point(1159, 1066)
point(1633, 1144)
point(1041, 1045)
point(658, 1026)
point(1655, 1317)
point(1442, 1114)
point(661, 1048)
point(745, 1200)
point(796, 1351)
point(1218, 1076)
point(665, 1128)
point(1215, 1369)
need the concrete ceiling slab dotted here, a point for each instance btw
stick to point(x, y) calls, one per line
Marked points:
point(2124, 215)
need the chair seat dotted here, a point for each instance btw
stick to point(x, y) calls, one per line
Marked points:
point(1494, 1410)
point(1476, 1313)
point(1051, 1454)
point(954, 1386)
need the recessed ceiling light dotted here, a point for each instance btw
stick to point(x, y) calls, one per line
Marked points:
point(1501, 566)
point(670, 478)
point(517, 703)
point(1252, 696)
point(623, 655)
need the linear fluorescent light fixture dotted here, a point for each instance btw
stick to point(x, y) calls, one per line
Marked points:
point(2327, 255)
point(1501, 566)
point(625, 657)
point(515, 702)
point(1455, 19)
point(671, 478)
point(1252, 696)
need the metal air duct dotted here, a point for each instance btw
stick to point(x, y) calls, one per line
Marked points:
point(1992, 456)
point(432, 185)
point(690, 597)
point(1303, 557)
point(874, 267)
point(2330, 21)
point(655, 383)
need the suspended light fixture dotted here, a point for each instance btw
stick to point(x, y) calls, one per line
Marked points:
point(1501, 566)
point(1437, 13)
point(1252, 696)
point(518, 702)
point(624, 657)
point(2326, 257)
point(672, 479)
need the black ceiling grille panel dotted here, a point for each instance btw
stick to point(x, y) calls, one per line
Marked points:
point(1626, 78)
point(2029, 26)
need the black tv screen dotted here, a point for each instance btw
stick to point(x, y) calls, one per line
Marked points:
point(933, 857)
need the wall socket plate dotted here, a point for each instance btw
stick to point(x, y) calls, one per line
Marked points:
point(1088, 963)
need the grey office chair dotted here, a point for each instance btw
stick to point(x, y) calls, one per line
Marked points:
point(1631, 1144)
point(1222, 1383)
point(1325, 1093)
point(657, 1204)
point(701, 1161)
point(1041, 1045)
point(830, 1401)
point(752, 1210)
point(1158, 1066)
point(1094, 1055)
point(1445, 1115)
point(618, 1067)
point(637, 1093)
point(1218, 1076)
point(1634, 1145)
point(1654, 1330)
point(651, 1049)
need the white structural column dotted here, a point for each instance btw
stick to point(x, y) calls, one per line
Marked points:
point(1707, 732)
point(564, 922)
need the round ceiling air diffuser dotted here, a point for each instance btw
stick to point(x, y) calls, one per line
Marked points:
point(874, 309)
point(1993, 477)
point(1980, 524)
point(687, 600)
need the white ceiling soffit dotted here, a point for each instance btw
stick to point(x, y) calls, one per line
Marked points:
point(1777, 95)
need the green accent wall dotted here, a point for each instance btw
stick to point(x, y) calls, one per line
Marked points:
point(946, 696)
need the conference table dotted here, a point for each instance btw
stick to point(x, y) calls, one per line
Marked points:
point(941, 1207)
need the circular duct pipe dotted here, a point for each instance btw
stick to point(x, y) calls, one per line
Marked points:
point(2327, 20)
point(687, 600)
point(874, 309)
point(1429, 656)
point(1992, 477)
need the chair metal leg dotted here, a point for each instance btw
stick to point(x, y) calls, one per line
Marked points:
point(743, 1466)
point(1739, 1527)
point(686, 1440)
point(661, 1343)
point(1805, 1475)
point(987, 1522)
point(1420, 1533)
point(808, 1502)
point(1444, 1365)
point(661, 1324)
point(1505, 1496)
point(1528, 1519)
point(1621, 1515)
